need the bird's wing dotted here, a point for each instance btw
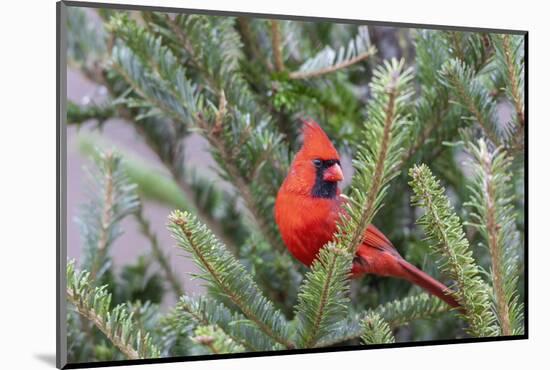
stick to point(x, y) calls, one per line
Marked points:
point(374, 238)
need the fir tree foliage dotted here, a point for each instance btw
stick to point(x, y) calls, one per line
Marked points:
point(444, 229)
point(225, 274)
point(206, 311)
point(376, 330)
point(396, 313)
point(328, 60)
point(112, 197)
point(492, 206)
point(323, 298)
point(380, 150)
point(415, 307)
point(252, 148)
point(215, 340)
point(117, 324)
point(509, 59)
point(471, 94)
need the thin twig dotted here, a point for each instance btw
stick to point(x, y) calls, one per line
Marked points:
point(158, 253)
point(298, 75)
point(213, 137)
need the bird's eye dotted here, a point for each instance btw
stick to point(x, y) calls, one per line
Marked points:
point(317, 162)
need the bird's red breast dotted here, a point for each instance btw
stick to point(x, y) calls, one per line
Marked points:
point(308, 203)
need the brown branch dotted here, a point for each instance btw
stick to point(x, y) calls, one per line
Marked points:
point(493, 233)
point(457, 48)
point(249, 40)
point(518, 103)
point(276, 46)
point(213, 137)
point(297, 75)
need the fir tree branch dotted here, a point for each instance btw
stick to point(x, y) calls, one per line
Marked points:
point(276, 45)
point(235, 147)
point(457, 45)
point(492, 233)
point(242, 184)
point(117, 324)
point(328, 61)
point(416, 307)
point(228, 276)
point(513, 78)
point(99, 219)
point(77, 114)
point(125, 57)
point(336, 67)
point(206, 311)
point(216, 340)
point(397, 313)
point(376, 330)
point(510, 75)
point(380, 152)
point(443, 227)
point(323, 297)
point(159, 255)
point(475, 98)
point(152, 183)
point(492, 206)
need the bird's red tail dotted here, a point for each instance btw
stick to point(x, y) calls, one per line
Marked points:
point(426, 282)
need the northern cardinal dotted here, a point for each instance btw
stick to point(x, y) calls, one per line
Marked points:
point(309, 205)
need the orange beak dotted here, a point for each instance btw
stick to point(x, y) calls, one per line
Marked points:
point(333, 173)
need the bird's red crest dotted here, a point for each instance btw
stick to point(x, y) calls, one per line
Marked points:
point(316, 142)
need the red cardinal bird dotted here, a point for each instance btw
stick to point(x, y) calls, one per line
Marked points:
point(309, 204)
